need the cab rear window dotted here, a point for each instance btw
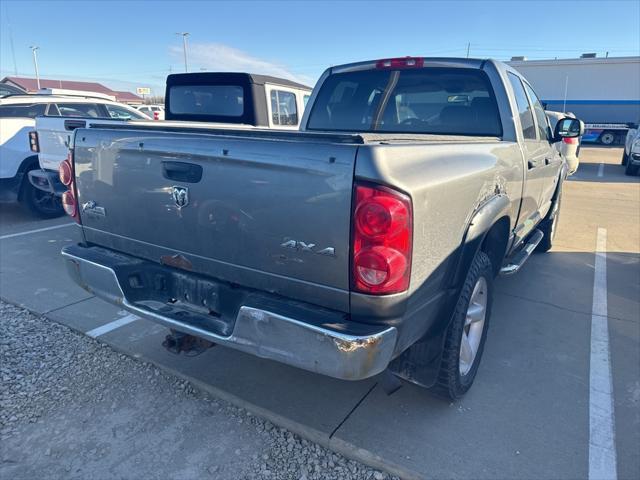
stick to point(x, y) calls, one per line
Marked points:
point(207, 100)
point(452, 101)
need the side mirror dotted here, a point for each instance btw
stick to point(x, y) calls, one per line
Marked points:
point(568, 128)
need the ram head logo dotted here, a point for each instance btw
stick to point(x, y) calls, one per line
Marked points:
point(180, 196)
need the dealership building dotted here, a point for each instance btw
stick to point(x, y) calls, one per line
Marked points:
point(596, 90)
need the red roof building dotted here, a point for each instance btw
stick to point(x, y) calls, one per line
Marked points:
point(31, 86)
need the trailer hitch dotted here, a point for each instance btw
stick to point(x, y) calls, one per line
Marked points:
point(177, 342)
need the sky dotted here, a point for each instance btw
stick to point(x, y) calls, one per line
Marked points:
point(129, 44)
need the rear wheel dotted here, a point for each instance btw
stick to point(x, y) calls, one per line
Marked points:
point(40, 203)
point(467, 332)
point(607, 138)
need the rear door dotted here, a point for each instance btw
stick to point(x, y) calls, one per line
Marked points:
point(534, 152)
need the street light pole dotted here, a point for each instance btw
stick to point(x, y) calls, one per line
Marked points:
point(184, 48)
point(35, 64)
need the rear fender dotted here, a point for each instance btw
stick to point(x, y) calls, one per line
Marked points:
point(420, 363)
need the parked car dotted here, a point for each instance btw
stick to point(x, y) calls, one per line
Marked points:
point(569, 148)
point(368, 240)
point(631, 152)
point(154, 112)
point(236, 98)
point(17, 160)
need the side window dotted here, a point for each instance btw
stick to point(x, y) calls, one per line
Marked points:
point(78, 110)
point(524, 108)
point(23, 111)
point(121, 113)
point(305, 99)
point(541, 117)
point(283, 108)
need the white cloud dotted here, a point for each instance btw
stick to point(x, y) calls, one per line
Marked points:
point(223, 58)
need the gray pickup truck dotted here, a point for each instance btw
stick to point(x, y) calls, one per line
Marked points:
point(368, 240)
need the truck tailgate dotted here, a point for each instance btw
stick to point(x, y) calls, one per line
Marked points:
point(271, 214)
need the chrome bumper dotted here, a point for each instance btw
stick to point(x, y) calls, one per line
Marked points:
point(258, 331)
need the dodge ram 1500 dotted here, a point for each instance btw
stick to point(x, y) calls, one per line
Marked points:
point(367, 241)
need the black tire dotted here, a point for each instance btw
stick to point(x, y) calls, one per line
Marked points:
point(451, 383)
point(38, 202)
point(607, 138)
point(631, 170)
point(625, 158)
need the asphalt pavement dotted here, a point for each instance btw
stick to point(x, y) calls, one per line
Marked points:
point(531, 411)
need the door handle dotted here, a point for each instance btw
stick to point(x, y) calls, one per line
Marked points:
point(531, 164)
point(547, 161)
point(71, 125)
point(182, 172)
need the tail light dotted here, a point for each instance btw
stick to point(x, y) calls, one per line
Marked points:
point(571, 140)
point(34, 145)
point(69, 203)
point(382, 240)
point(66, 174)
point(156, 115)
point(403, 62)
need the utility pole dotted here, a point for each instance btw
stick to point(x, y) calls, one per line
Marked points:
point(35, 63)
point(184, 48)
point(468, 48)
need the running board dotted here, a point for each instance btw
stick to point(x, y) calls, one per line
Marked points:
point(514, 263)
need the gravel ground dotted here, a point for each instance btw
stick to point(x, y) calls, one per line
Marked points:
point(71, 407)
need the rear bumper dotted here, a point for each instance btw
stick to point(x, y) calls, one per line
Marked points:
point(47, 181)
point(270, 327)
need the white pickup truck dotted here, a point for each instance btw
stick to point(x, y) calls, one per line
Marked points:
point(18, 145)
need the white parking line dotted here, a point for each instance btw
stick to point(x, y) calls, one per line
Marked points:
point(602, 440)
point(28, 232)
point(601, 170)
point(121, 322)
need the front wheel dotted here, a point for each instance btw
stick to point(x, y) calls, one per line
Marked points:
point(467, 332)
point(625, 158)
point(40, 203)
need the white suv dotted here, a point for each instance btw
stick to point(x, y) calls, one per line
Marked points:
point(17, 119)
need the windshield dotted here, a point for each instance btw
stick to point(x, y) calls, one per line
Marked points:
point(451, 101)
